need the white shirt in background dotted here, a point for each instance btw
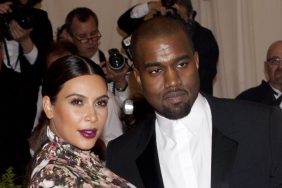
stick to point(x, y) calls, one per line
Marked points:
point(13, 51)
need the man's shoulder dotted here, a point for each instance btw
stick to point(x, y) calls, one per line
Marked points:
point(240, 117)
point(256, 93)
point(226, 107)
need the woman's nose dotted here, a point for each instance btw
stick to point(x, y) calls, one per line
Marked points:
point(91, 115)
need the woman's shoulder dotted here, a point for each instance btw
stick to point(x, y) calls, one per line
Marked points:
point(51, 174)
point(57, 166)
point(52, 168)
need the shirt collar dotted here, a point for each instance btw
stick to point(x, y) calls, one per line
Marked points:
point(96, 58)
point(192, 122)
point(277, 93)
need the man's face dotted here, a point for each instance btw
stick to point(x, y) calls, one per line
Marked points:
point(274, 65)
point(168, 74)
point(86, 36)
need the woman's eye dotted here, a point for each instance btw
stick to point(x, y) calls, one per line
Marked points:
point(76, 102)
point(102, 102)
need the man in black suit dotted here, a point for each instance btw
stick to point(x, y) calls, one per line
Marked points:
point(27, 34)
point(268, 92)
point(193, 140)
point(204, 42)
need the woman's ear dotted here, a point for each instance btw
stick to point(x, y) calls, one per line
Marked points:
point(48, 107)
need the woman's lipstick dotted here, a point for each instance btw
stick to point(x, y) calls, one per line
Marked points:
point(88, 133)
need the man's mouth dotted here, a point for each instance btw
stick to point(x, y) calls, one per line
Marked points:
point(175, 96)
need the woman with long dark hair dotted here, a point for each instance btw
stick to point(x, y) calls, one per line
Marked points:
point(75, 98)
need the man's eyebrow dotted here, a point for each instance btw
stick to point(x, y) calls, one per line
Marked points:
point(156, 63)
point(186, 57)
point(151, 64)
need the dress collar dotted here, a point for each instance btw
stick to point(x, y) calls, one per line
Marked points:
point(55, 139)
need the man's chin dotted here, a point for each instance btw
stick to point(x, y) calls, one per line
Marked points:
point(176, 113)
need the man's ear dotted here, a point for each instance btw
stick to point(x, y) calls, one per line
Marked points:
point(196, 59)
point(47, 107)
point(266, 70)
point(137, 76)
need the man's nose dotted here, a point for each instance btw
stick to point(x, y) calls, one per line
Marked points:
point(172, 78)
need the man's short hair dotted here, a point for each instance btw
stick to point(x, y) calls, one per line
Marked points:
point(82, 14)
point(157, 27)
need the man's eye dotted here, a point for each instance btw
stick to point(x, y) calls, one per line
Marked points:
point(76, 102)
point(182, 65)
point(155, 71)
point(102, 102)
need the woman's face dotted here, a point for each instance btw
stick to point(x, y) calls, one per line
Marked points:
point(80, 111)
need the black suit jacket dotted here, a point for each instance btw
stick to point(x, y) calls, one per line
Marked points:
point(204, 43)
point(246, 148)
point(262, 93)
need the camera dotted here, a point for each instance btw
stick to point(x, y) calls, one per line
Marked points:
point(126, 46)
point(21, 14)
point(116, 59)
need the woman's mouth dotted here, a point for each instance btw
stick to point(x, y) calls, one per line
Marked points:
point(88, 133)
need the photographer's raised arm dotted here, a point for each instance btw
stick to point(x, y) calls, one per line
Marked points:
point(134, 16)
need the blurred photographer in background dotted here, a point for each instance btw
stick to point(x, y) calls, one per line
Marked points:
point(27, 32)
point(204, 41)
point(82, 25)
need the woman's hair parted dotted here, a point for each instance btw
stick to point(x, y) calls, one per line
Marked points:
point(64, 69)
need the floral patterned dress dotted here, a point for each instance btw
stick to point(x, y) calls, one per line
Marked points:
point(60, 164)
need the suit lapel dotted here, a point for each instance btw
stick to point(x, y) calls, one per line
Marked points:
point(224, 148)
point(148, 166)
point(223, 157)
point(147, 161)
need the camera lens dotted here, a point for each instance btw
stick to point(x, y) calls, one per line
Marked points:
point(24, 22)
point(23, 16)
point(116, 60)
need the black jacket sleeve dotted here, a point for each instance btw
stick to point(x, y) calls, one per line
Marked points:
point(128, 24)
